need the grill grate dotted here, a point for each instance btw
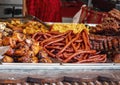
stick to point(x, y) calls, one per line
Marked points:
point(64, 81)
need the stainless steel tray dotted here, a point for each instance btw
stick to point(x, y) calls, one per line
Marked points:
point(48, 66)
point(59, 66)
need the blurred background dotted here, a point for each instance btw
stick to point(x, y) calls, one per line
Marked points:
point(13, 8)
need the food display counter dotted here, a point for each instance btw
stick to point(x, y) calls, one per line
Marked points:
point(61, 54)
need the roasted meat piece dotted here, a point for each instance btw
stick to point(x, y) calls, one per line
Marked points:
point(115, 13)
point(105, 43)
point(116, 57)
point(29, 57)
point(8, 59)
point(110, 24)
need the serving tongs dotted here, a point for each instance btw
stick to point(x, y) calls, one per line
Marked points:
point(31, 17)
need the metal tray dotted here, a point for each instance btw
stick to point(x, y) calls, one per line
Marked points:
point(82, 66)
point(58, 66)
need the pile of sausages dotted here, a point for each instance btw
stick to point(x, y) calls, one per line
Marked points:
point(69, 47)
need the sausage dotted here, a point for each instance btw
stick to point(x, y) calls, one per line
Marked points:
point(85, 40)
point(58, 44)
point(77, 53)
point(53, 47)
point(100, 58)
point(54, 41)
point(77, 36)
point(51, 54)
point(49, 39)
